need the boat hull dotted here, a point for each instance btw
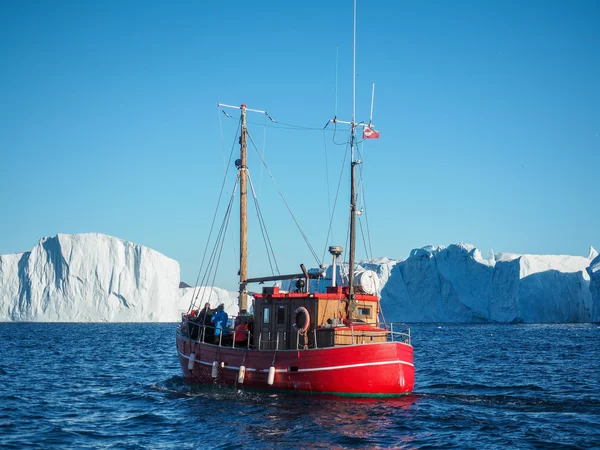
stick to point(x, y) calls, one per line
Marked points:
point(375, 369)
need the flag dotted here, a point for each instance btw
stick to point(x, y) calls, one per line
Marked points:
point(370, 133)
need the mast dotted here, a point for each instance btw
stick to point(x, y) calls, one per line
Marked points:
point(241, 165)
point(352, 175)
point(243, 297)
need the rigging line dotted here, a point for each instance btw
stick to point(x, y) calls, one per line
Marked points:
point(215, 261)
point(209, 268)
point(263, 225)
point(289, 126)
point(335, 202)
point(285, 202)
point(214, 218)
point(219, 257)
point(218, 245)
point(327, 180)
point(333, 137)
point(344, 268)
point(337, 49)
point(262, 231)
point(219, 236)
point(263, 155)
point(222, 140)
point(364, 240)
point(286, 126)
point(364, 201)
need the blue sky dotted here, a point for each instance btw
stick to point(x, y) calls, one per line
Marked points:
point(489, 114)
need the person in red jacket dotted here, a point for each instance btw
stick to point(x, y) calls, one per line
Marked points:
point(241, 333)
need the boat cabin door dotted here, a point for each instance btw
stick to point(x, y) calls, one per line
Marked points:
point(274, 328)
point(281, 325)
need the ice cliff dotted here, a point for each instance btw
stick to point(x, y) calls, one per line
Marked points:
point(455, 284)
point(95, 278)
point(594, 273)
point(91, 278)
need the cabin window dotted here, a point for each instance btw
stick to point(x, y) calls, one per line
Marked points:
point(364, 312)
point(266, 315)
point(281, 315)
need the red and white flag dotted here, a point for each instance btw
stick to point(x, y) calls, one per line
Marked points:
point(370, 133)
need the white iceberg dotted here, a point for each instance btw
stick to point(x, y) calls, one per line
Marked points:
point(594, 273)
point(455, 284)
point(99, 278)
point(88, 278)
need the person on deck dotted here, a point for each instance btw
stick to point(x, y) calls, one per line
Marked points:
point(220, 321)
point(241, 332)
point(204, 316)
point(250, 328)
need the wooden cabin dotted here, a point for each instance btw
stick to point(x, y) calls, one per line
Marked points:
point(333, 320)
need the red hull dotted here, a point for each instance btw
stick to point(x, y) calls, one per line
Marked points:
point(363, 370)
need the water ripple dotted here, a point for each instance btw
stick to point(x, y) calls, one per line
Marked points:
point(477, 386)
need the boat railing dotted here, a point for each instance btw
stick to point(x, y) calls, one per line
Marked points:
point(353, 334)
point(349, 335)
point(398, 332)
point(206, 334)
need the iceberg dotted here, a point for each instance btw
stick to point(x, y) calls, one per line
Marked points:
point(99, 278)
point(96, 278)
point(455, 284)
point(594, 273)
point(88, 278)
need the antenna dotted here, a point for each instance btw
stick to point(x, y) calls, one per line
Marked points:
point(367, 133)
point(372, 98)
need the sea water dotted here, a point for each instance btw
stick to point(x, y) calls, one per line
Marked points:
point(477, 386)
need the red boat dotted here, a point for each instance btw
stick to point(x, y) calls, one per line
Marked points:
point(308, 339)
point(358, 357)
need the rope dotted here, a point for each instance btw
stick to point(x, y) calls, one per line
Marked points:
point(328, 189)
point(335, 201)
point(277, 124)
point(228, 216)
point(337, 48)
point(233, 246)
point(219, 239)
point(263, 154)
point(212, 224)
point(364, 200)
point(335, 132)
point(285, 202)
point(363, 237)
point(263, 229)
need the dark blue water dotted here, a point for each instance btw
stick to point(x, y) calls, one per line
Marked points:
point(478, 386)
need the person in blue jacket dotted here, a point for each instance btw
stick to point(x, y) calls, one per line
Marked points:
point(220, 321)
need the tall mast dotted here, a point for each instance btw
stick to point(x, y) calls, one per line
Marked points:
point(353, 174)
point(243, 297)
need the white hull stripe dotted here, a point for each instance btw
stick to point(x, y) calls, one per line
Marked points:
point(315, 369)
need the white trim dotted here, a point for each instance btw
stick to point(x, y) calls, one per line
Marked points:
point(314, 369)
point(380, 363)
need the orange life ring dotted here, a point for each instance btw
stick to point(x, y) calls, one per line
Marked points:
point(301, 310)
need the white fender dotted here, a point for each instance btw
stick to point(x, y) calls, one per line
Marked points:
point(191, 361)
point(215, 369)
point(241, 374)
point(271, 378)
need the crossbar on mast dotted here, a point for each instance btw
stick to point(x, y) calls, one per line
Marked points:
point(362, 124)
point(222, 105)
